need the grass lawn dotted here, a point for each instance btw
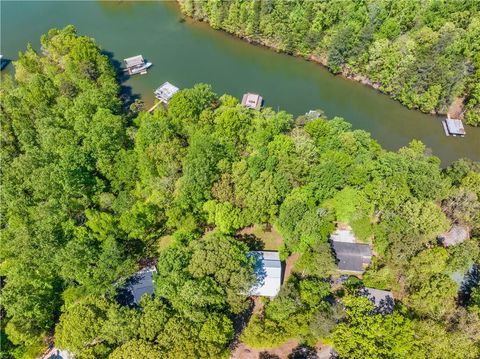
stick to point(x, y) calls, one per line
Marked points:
point(270, 237)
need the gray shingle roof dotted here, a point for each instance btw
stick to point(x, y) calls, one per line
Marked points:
point(350, 263)
point(456, 235)
point(346, 248)
point(382, 299)
point(351, 256)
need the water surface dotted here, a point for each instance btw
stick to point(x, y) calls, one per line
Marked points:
point(186, 53)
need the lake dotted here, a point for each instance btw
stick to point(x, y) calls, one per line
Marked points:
point(185, 53)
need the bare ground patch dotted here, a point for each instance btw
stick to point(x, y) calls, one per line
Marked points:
point(243, 351)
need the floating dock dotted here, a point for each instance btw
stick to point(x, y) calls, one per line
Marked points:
point(252, 100)
point(453, 127)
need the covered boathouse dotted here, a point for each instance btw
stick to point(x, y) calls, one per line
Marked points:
point(136, 65)
point(252, 100)
point(165, 92)
point(453, 127)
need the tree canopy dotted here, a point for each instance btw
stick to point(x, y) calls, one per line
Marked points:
point(93, 192)
point(424, 54)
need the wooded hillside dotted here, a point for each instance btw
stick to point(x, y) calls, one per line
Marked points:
point(92, 191)
point(425, 54)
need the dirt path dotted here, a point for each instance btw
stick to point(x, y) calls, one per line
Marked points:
point(456, 108)
point(289, 264)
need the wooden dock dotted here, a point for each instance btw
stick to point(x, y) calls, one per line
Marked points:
point(444, 124)
point(154, 106)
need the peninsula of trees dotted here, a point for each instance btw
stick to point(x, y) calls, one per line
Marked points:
point(92, 190)
point(425, 54)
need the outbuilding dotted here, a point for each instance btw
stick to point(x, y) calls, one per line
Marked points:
point(456, 235)
point(382, 299)
point(268, 271)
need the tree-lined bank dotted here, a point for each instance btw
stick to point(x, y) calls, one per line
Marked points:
point(424, 54)
point(188, 52)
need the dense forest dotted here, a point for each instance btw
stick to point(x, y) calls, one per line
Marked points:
point(425, 54)
point(93, 189)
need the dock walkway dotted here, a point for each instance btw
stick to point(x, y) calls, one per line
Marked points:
point(154, 106)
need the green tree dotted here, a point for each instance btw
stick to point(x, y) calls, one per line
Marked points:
point(372, 335)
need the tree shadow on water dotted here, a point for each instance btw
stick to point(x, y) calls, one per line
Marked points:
point(126, 92)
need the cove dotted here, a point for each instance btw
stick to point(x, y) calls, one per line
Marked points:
point(185, 53)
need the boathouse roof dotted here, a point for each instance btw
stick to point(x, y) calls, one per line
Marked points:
point(252, 100)
point(268, 271)
point(313, 114)
point(165, 92)
point(455, 127)
point(134, 61)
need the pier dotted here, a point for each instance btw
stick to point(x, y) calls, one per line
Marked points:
point(154, 107)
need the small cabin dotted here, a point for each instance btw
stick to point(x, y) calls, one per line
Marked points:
point(136, 65)
point(268, 272)
point(252, 100)
point(453, 127)
point(165, 92)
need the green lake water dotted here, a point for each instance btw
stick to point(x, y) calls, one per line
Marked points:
point(186, 53)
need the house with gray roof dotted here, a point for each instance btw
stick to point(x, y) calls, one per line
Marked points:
point(351, 256)
point(268, 271)
point(382, 299)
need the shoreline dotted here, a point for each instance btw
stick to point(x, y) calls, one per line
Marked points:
point(455, 110)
